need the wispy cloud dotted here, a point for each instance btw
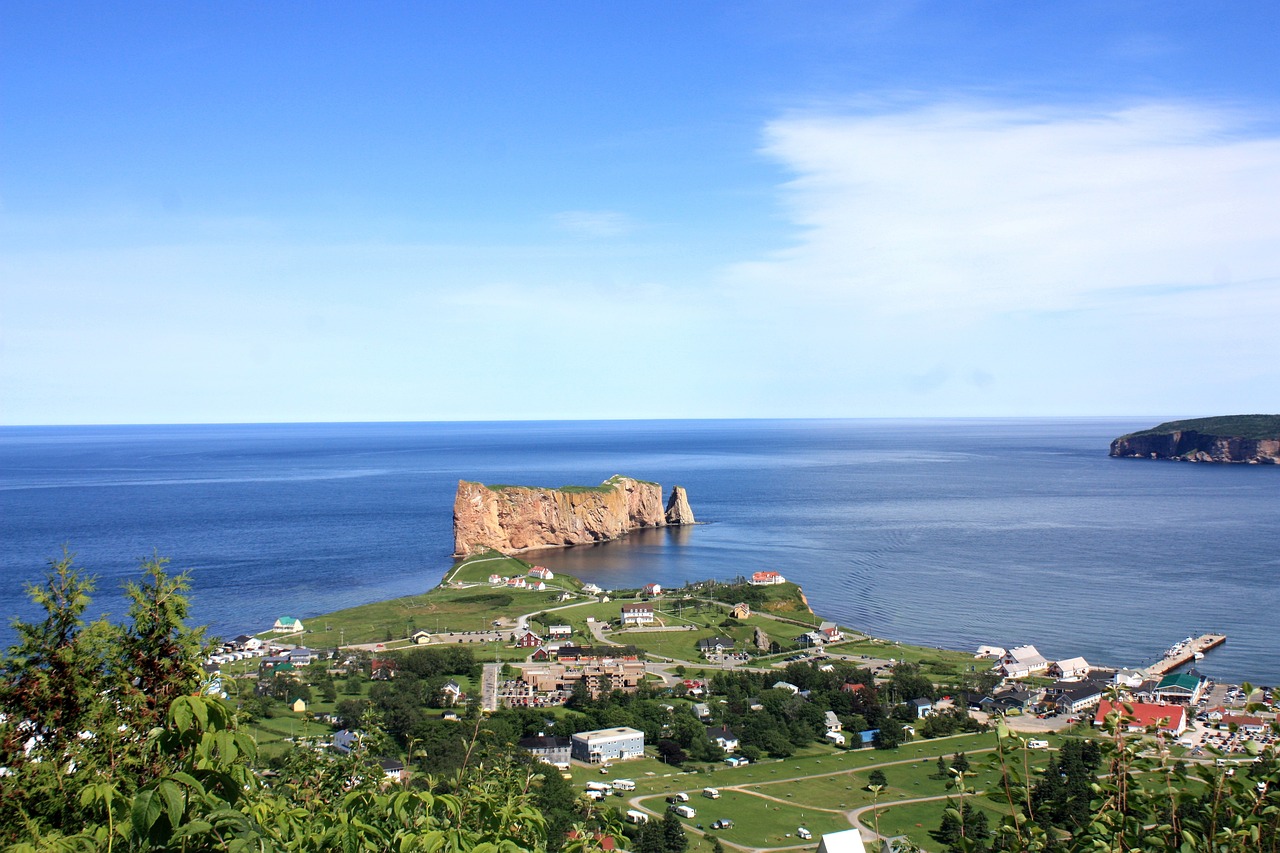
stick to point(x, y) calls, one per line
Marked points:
point(594, 223)
point(972, 209)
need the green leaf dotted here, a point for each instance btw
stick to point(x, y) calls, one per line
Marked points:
point(180, 713)
point(195, 827)
point(173, 801)
point(146, 811)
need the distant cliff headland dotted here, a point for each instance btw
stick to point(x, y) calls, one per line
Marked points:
point(511, 519)
point(1251, 439)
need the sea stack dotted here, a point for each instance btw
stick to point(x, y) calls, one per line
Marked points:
point(512, 519)
point(678, 509)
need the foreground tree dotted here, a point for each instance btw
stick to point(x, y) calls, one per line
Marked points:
point(107, 743)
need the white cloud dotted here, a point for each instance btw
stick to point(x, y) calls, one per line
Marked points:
point(594, 223)
point(962, 210)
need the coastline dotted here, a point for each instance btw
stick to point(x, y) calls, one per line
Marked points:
point(465, 608)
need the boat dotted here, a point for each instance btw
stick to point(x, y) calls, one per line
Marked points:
point(1199, 655)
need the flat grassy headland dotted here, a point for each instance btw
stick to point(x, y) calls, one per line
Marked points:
point(466, 602)
point(1256, 427)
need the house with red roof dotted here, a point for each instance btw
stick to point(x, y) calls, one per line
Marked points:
point(542, 573)
point(1140, 716)
point(1247, 724)
point(767, 579)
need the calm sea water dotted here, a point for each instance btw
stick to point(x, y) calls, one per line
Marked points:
point(947, 533)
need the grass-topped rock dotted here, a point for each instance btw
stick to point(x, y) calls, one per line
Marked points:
point(1252, 439)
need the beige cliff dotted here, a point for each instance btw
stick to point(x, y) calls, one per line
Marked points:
point(511, 519)
point(678, 509)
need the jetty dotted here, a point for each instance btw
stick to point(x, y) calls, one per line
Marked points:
point(1185, 652)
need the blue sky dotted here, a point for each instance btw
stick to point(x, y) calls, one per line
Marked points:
point(241, 212)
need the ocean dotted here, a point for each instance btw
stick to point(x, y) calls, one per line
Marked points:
point(949, 533)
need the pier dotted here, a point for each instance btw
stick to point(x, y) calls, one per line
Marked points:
point(1185, 652)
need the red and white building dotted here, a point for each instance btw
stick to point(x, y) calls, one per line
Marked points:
point(1140, 716)
point(542, 573)
point(652, 589)
point(767, 579)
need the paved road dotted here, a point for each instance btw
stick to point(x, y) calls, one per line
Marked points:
point(489, 686)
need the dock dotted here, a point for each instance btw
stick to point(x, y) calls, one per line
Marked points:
point(1185, 652)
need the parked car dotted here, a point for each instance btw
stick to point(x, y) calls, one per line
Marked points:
point(804, 833)
point(722, 823)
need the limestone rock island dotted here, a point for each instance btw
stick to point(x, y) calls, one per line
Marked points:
point(511, 519)
point(1251, 439)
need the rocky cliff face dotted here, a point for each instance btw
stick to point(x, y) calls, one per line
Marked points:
point(678, 509)
point(1192, 446)
point(519, 518)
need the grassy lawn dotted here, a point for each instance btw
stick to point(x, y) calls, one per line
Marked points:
point(441, 609)
point(477, 568)
point(757, 821)
point(918, 820)
point(576, 617)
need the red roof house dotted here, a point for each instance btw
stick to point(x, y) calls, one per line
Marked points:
point(1139, 716)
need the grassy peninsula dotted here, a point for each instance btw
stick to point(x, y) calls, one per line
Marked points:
point(1254, 427)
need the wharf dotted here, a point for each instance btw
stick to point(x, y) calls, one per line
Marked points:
point(1185, 652)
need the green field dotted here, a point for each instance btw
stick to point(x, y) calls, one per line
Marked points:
point(1241, 426)
point(758, 821)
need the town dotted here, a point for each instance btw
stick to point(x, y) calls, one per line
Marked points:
point(718, 679)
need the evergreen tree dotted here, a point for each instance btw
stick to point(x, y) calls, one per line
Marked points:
point(673, 837)
point(650, 839)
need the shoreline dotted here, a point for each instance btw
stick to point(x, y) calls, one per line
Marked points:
point(433, 606)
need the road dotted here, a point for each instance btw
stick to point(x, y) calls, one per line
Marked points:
point(489, 686)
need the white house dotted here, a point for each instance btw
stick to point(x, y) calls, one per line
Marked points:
point(833, 722)
point(766, 579)
point(287, 625)
point(497, 579)
point(836, 738)
point(542, 573)
point(1021, 662)
point(452, 692)
point(1071, 669)
point(591, 589)
point(787, 686)
point(653, 589)
point(723, 738)
point(637, 614)
point(1129, 678)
